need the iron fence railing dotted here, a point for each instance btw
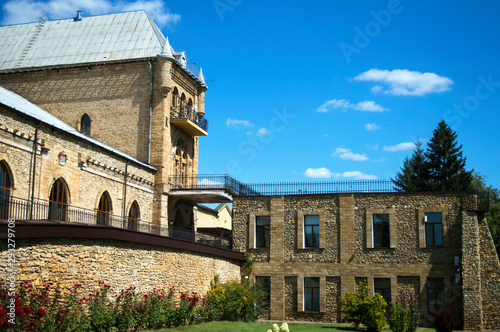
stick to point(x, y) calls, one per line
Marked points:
point(41, 210)
point(212, 181)
point(188, 112)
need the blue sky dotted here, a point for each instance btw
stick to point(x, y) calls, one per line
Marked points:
point(328, 90)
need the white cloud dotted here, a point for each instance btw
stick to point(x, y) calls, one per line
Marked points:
point(357, 175)
point(325, 173)
point(262, 131)
point(347, 154)
point(27, 11)
point(320, 173)
point(371, 126)
point(345, 105)
point(403, 82)
point(234, 123)
point(400, 147)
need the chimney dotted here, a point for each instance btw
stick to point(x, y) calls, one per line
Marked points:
point(78, 16)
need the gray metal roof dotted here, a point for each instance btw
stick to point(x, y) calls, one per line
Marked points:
point(131, 35)
point(22, 105)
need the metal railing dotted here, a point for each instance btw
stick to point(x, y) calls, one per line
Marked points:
point(237, 188)
point(41, 210)
point(212, 181)
point(188, 112)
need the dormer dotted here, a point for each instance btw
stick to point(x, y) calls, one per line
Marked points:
point(181, 59)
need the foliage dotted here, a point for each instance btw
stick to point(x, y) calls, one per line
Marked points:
point(248, 261)
point(235, 301)
point(404, 315)
point(282, 328)
point(493, 215)
point(444, 320)
point(360, 308)
point(412, 176)
point(440, 168)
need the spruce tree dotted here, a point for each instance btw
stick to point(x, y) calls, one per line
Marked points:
point(445, 163)
point(414, 175)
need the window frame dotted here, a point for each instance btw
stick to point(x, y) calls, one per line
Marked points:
point(378, 231)
point(314, 296)
point(134, 215)
point(312, 227)
point(384, 290)
point(267, 244)
point(433, 226)
point(6, 185)
point(104, 209)
point(393, 224)
point(266, 287)
point(301, 229)
point(433, 291)
point(252, 228)
point(88, 124)
point(58, 201)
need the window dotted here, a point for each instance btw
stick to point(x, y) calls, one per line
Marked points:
point(104, 209)
point(175, 97)
point(133, 216)
point(85, 125)
point(311, 231)
point(381, 233)
point(262, 231)
point(5, 187)
point(433, 229)
point(265, 282)
point(383, 287)
point(58, 201)
point(311, 293)
point(435, 294)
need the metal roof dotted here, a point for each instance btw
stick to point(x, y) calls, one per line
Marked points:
point(24, 106)
point(122, 36)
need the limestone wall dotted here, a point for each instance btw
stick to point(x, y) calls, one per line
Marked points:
point(64, 262)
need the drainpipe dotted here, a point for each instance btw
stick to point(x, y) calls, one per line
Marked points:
point(150, 111)
point(125, 192)
point(33, 170)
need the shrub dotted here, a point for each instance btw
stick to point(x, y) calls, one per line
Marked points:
point(235, 301)
point(359, 308)
point(444, 320)
point(404, 315)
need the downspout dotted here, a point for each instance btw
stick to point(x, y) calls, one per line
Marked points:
point(33, 171)
point(150, 111)
point(125, 192)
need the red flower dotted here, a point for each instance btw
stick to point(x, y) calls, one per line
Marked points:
point(18, 303)
point(41, 312)
point(1, 322)
point(27, 310)
point(3, 312)
point(19, 311)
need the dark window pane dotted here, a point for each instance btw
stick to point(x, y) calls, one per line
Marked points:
point(262, 231)
point(315, 302)
point(381, 233)
point(429, 234)
point(311, 282)
point(438, 234)
point(265, 282)
point(311, 293)
point(433, 217)
point(380, 218)
point(311, 220)
point(316, 237)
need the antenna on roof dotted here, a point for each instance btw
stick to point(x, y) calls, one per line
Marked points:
point(78, 16)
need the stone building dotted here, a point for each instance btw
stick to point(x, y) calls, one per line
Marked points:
point(310, 249)
point(115, 79)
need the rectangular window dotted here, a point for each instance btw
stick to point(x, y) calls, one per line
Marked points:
point(435, 294)
point(383, 287)
point(265, 282)
point(433, 229)
point(381, 233)
point(311, 231)
point(262, 231)
point(311, 293)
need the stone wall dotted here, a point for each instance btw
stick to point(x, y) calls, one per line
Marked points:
point(347, 256)
point(64, 262)
point(89, 171)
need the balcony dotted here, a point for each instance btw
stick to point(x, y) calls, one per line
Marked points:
point(186, 118)
point(41, 211)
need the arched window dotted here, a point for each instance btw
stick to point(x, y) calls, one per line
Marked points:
point(175, 97)
point(133, 216)
point(5, 187)
point(85, 125)
point(104, 210)
point(180, 167)
point(58, 201)
point(183, 100)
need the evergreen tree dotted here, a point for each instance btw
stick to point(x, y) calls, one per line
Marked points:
point(445, 163)
point(414, 175)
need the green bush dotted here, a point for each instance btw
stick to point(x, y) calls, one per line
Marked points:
point(359, 308)
point(404, 315)
point(235, 301)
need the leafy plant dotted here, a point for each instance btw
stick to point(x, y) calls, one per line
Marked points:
point(360, 308)
point(404, 315)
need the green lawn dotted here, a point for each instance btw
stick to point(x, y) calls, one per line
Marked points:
point(263, 327)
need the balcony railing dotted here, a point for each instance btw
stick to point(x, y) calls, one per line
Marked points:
point(188, 112)
point(41, 210)
point(212, 182)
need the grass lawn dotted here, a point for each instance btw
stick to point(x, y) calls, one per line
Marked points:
point(263, 327)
